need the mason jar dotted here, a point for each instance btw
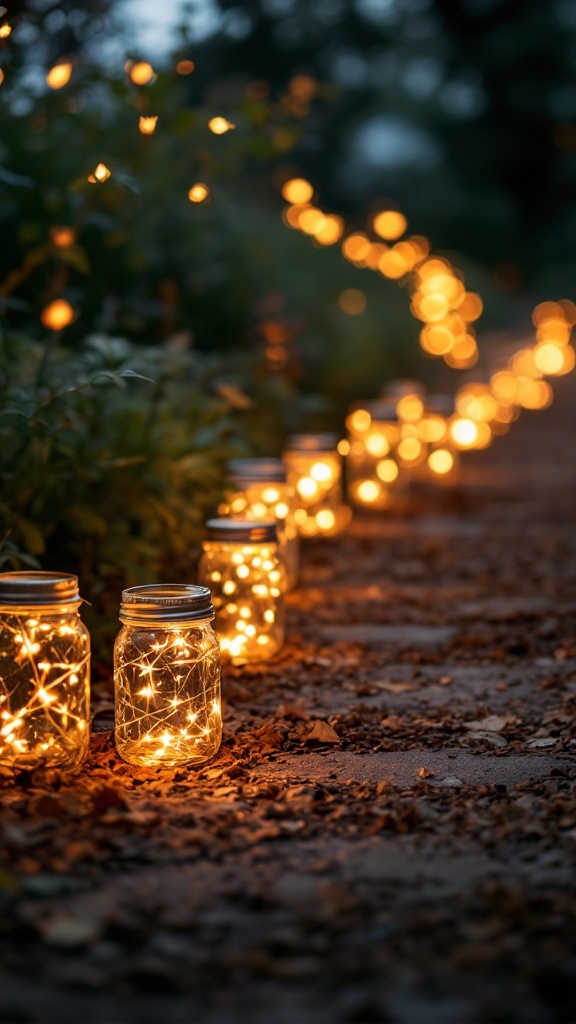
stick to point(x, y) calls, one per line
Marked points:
point(257, 490)
point(241, 566)
point(442, 455)
point(44, 671)
point(167, 676)
point(314, 467)
point(375, 477)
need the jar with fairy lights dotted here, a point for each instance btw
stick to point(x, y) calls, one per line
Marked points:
point(257, 490)
point(44, 671)
point(442, 456)
point(375, 477)
point(314, 465)
point(167, 676)
point(247, 578)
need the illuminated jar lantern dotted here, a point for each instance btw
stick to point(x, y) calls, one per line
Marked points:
point(375, 478)
point(442, 457)
point(44, 671)
point(167, 676)
point(314, 467)
point(258, 490)
point(241, 566)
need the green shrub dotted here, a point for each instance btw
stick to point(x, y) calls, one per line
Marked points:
point(111, 458)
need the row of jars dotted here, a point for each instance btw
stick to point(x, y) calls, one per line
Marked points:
point(167, 655)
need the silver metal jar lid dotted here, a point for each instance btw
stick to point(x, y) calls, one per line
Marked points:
point(440, 405)
point(380, 409)
point(257, 470)
point(40, 589)
point(402, 386)
point(166, 602)
point(321, 442)
point(242, 531)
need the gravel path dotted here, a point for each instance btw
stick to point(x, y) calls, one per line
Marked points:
point(389, 831)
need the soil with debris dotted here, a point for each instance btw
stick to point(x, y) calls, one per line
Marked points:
point(389, 830)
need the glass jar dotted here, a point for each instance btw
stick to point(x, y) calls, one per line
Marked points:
point(314, 469)
point(258, 490)
point(442, 456)
point(44, 671)
point(241, 566)
point(374, 475)
point(167, 676)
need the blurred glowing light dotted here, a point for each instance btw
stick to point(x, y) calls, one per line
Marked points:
point(352, 301)
point(142, 73)
point(220, 125)
point(409, 449)
point(464, 433)
point(198, 193)
point(311, 220)
point(549, 358)
point(546, 311)
point(330, 231)
point(377, 445)
point(343, 447)
point(307, 487)
point(59, 75)
point(356, 247)
point(321, 471)
point(57, 315)
point(554, 329)
point(569, 311)
point(440, 461)
point(387, 470)
point(436, 340)
point(390, 224)
point(433, 307)
point(325, 519)
point(147, 125)
point(534, 394)
point(5, 31)
point(524, 364)
point(432, 428)
point(410, 408)
point(463, 353)
point(470, 307)
point(101, 173)
point(368, 491)
point(393, 264)
point(303, 86)
point(185, 67)
point(297, 190)
point(359, 420)
point(62, 237)
point(504, 386)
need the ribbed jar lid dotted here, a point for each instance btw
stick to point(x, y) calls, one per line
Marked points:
point(166, 602)
point(440, 405)
point(402, 386)
point(257, 470)
point(321, 442)
point(380, 409)
point(39, 589)
point(242, 531)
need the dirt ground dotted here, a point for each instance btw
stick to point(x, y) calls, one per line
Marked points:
point(389, 831)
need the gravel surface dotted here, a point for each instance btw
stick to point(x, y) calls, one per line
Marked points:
point(389, 831)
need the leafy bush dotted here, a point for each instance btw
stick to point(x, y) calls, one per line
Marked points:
point(111, 458)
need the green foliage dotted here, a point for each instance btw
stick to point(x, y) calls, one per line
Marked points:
point(111, 459)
